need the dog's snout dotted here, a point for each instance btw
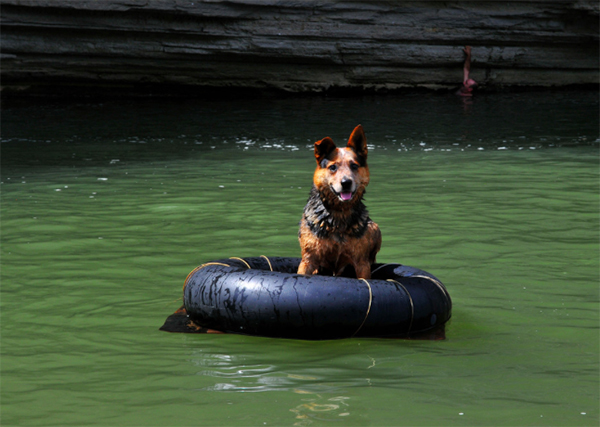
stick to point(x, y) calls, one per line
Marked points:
point(346, 183)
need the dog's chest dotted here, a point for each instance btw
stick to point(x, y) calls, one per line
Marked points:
point(336, 230)
point(333, 225)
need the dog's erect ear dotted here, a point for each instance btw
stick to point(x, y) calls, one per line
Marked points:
point(358, 142)
point(323, 148)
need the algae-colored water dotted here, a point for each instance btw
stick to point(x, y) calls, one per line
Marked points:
point(106, 207)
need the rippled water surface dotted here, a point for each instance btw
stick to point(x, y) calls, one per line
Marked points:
point(106, 207)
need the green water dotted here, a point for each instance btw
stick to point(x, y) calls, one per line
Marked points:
point(106, 207)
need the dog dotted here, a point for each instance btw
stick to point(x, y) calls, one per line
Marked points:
point(336, 231)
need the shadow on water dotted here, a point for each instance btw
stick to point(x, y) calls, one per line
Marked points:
point(147, 130)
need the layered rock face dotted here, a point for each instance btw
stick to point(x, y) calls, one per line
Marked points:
point(296, 46)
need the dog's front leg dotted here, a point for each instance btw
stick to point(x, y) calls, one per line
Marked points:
point(363, 270)
point(306, 267)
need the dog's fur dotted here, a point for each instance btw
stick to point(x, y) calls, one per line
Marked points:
point(336, 231)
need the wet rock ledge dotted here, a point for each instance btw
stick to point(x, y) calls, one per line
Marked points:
point(294, 46)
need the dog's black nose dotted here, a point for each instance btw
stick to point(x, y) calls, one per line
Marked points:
point(346, 184)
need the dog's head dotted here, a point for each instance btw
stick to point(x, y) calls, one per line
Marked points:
point(342, 173)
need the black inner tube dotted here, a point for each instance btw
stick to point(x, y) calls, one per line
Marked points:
point(264, 296)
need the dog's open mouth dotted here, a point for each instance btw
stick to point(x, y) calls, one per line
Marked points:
point(344, 196)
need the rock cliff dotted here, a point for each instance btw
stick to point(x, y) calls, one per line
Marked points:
point(296, 46)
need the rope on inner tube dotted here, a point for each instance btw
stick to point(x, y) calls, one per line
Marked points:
point(269, 261)
point(368, 308)
point(380, 267)
point(200, 268)
point(243, 260)
point(412, 305)
point(437, 283)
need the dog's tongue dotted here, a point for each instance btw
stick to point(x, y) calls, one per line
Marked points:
point(346, 196)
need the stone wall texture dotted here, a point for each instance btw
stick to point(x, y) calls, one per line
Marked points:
point(296, 46)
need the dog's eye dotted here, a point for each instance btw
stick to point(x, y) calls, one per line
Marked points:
point(354, 166)
point(333, 168)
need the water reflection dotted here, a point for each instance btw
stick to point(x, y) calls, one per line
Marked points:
point(272, 371)
point(316, 407)
point(467, 103)
point(407, 122)
point(310, 405)
point(312, 398)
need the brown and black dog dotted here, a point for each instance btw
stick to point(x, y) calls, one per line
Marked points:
point(336, 231)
